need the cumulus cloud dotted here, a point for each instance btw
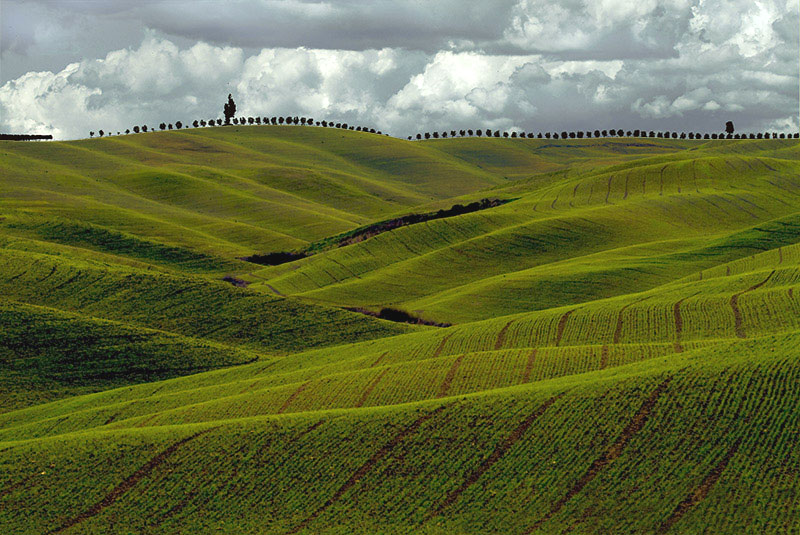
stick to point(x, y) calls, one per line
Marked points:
point(526, 64)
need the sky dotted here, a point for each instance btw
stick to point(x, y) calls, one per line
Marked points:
point(405, 66)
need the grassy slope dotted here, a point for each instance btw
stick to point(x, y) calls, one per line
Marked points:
point(632, 369)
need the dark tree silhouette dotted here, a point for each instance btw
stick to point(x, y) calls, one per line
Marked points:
point(250, 120)
point(202, 122)
point(419, 136)
point(479, 132)
point(563, 135)
point(162, 126)
point(144, 128)
point(729, 127)
point(436, 135)
point(229, 109)
point(195, 123)
point(427, 135)
point(178, 125)
point(100, 133)
point(258, 120)
point(219, 122)
point(127, 131)
point(135, 129)
point(469, 132)
point(463, 133)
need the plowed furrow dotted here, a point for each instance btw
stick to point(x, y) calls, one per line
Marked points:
point(294, 395)
point(615, 450)
point(499, 451)
point(130, 482)
point(737, 313)
point(366, 468)
point(367, 391)
point(699, 494)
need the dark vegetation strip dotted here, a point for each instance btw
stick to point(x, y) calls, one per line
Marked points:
point(499, 451)
point(562, 323)
point(699, 494)
point(239, 283)
point(363, 233)
point(448, 379)
point(737, 314)
point(366, 467)
point(370, 388)
point(23, 137)
point(294, 395)
point(128, 483)
point(616, 449)
point(398, 316)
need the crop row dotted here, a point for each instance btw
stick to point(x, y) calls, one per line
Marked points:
point(643, 452)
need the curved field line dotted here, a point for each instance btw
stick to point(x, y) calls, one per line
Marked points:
point(526, 374)
point(625, 195)
point(615, 450)
point(8, 490)
point(379, 359)
point(293, 396)
point(501, 336)
point(608, 190)
point(699, 494)
point(129, 482)
point(500, 450)
point(366, 467)
point(562, 323)
point(274, 290)
point(676, 313)
point(440, 346)
point(618, 328)
point(370, 388)
point(737, 314)
point(448, 379)
point(604, 357)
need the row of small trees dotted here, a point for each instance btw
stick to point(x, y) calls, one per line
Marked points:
point(307, 121)
point(302, 121)
point(600, 133)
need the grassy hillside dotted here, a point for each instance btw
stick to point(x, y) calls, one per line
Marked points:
point(624, 355)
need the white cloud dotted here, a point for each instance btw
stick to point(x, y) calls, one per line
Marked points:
point(575, 64)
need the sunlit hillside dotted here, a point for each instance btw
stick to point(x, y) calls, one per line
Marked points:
point(622, 355)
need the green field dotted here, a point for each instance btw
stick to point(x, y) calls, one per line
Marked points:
point(624, 354)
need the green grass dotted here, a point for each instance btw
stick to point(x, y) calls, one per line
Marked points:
point(624, 355)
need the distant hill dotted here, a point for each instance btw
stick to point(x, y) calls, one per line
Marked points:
point(623, 356)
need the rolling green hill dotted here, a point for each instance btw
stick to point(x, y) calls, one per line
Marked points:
point(624, 355)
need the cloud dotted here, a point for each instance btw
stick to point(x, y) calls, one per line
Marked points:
point(666, 64)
